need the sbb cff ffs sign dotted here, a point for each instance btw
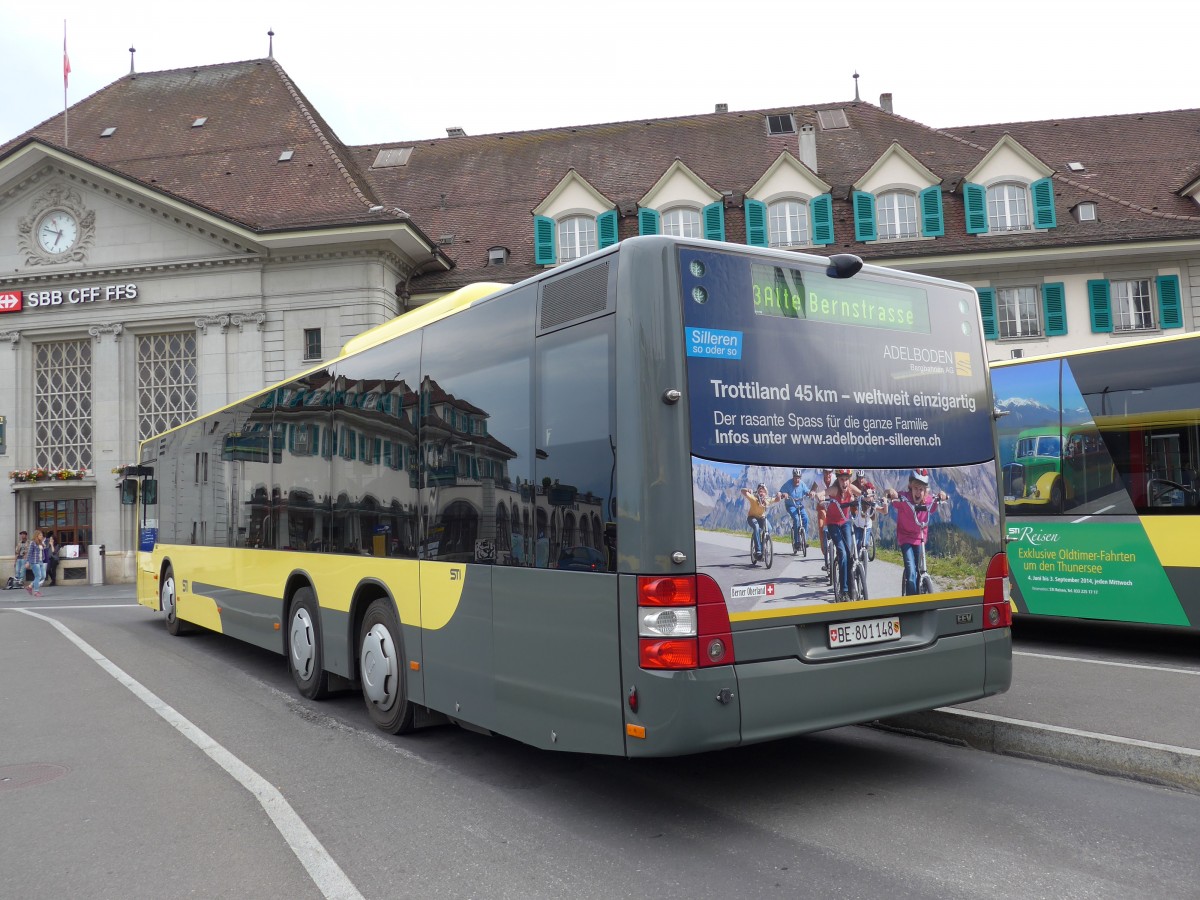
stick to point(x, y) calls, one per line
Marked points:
point(15, 301)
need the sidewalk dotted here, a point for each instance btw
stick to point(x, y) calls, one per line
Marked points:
point(1116, 716)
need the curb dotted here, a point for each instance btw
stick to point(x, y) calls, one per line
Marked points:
point(1107, 754)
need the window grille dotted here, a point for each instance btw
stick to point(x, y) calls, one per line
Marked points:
point(63, 404)
point(166, 381)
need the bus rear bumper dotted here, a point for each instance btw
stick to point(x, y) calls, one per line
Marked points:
point(747, 703)
point(785, 697)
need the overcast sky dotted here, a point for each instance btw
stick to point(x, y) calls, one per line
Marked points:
point(412, 69)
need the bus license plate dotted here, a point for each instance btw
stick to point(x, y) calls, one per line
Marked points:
point(868, 631)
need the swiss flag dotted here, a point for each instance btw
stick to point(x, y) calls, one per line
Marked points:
point(66, 59)
point(11, 301)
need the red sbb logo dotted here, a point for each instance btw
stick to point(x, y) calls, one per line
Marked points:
point(11, 301)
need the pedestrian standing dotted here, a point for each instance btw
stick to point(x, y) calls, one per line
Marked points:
point(19, 552)
point(51, 560)
point(37, 561)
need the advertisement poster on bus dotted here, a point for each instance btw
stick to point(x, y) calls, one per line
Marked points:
point(1108, 570)
point(851, 412)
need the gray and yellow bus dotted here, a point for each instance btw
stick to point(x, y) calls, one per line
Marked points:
point(1103, 517)
point(519, 508)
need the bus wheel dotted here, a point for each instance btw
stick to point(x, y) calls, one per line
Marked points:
point(381, 669)
point(305, 658)
point(166, 597)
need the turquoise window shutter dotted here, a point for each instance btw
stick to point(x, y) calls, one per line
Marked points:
point(291, 433)
point(821, 210)
point(1170, 310)
point(649, 221)
point(1100, 306)
point(756, 222)
point(1054, 308)
point(714, 221)
point(544, 253)
point(987, 308)
point(975, 208)
point(933, 223)
point(606, 228)
point(864, 216)
point(1043, 203)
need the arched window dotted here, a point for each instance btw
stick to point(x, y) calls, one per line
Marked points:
point(787, 224)
point(682, 222)
point(576, 237)
point(896, 214)
point(1008, 207)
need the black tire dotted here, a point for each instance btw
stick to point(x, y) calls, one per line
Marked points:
point(381, 669)
point(1056, 498)
point(925, 584)
point(768, 550)
point(167, 602)
point(871, 546)
point(305, 656)
point(835, 579)
point(860, 583)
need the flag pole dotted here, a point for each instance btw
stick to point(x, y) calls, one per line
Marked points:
point(66, 72)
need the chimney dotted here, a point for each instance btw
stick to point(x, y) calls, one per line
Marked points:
point(722, 107)
point(455, 131)
point(808, 146)
point(885, 102)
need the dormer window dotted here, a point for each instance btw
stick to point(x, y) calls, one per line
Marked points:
point(576, 237)
point(896, 215)
point(1008, 207)
point(1086, 212)
point(682, 222)
point(787, 224)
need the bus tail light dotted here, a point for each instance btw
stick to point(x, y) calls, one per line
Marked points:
point(996, 611)
point(667, 622)
point(683, 623)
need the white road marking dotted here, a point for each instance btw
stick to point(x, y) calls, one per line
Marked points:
point(1096, 513)
point(1105, 662)
point(321, 867)
point(87, 606)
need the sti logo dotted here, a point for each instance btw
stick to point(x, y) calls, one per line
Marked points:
point(11, 301)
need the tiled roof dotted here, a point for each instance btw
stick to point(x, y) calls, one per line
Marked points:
point(480, 191)
point(230, 165)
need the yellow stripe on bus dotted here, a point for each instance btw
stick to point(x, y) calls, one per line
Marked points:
point(854, 607)
point(1173, 539)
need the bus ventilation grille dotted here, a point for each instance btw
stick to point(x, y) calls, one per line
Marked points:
point(576, 296)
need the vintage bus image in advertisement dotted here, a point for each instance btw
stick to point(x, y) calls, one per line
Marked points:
point(675, 496)
point(1100, 451)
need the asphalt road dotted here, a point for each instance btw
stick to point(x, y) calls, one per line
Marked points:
point(103, 795)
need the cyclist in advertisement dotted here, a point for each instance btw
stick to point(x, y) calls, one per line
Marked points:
point(822, 531)
point(841, 498)
point(864, 515)
point(792, 492)
point(913, 509)
point(756, 515)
